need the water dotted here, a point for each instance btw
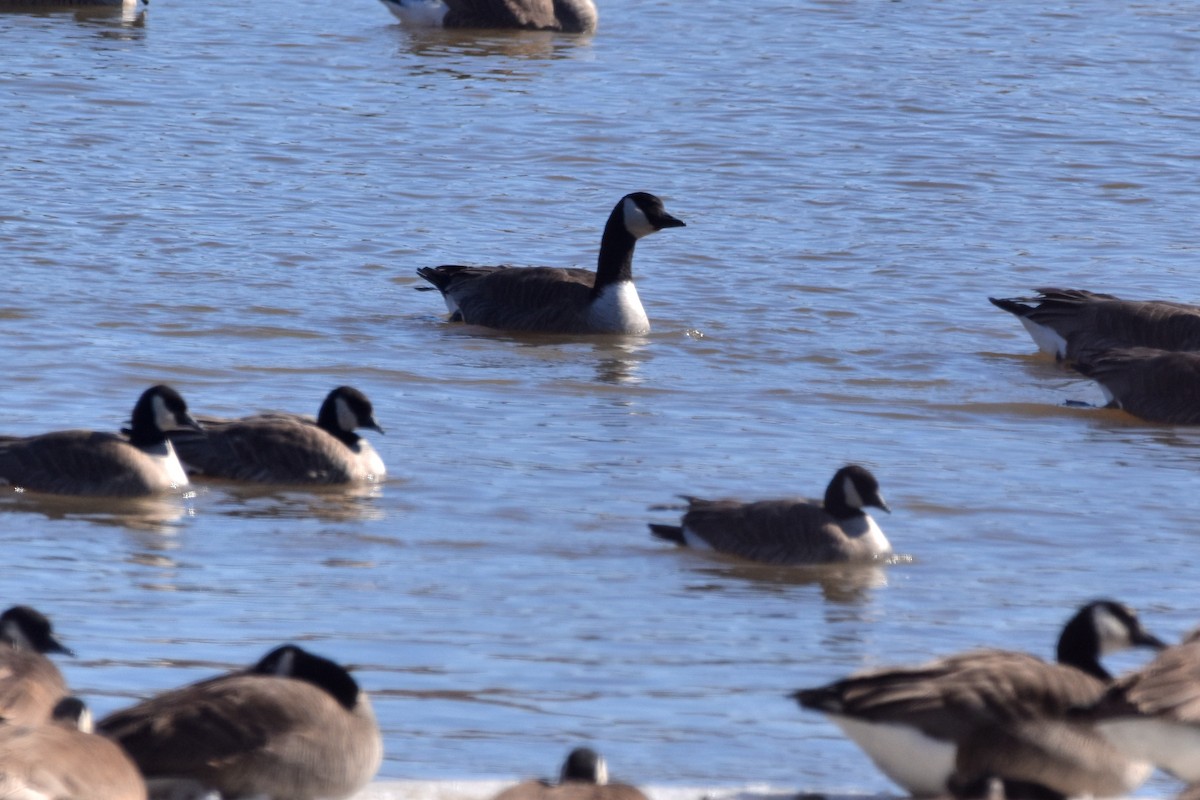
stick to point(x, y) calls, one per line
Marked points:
point(234, 197)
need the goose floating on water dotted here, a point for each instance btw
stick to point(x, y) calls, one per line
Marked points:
point(1155, 385)
point(557, 300)
point(30, 684)
point(138, 463)
point(1067, 322)
point(295, 726)
point(961, 721)
point(791, 531)
point(584, 776)
point(567, 16)
point(282, 448)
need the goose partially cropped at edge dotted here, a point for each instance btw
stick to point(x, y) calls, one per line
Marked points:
point(138, 462)
point(584, 776)
point(567, 16)
point(30, 683)
point(282, 448)
point(959, 722)
point(790, 531)
point(561, 300)
point(1067, 322)
point(65, 760)
point(1155, 385)
point(1153, 713)
point(295, 726)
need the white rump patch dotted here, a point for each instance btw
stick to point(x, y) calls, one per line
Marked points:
point(618, 309)
point(917, 762)
point(691, 539)
point(636, 221)
point(1047, 340)
point(418, 13)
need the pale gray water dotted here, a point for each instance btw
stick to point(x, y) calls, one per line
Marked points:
point(233, 198)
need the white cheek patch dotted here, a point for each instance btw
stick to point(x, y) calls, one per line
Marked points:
point(636, 221)
point(287, 664)
point(164, 418)
point(601, 772)
point(13, 632)
point(853, 498)
point(347, 419)
point(1112, 633)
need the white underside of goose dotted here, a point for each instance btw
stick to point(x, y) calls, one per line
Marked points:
point(1047, 339)
point(917, 762)
point(1171, 745)
point(618, 309)
point(164, 455)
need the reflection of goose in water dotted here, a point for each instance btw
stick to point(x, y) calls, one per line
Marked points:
point(568, 16)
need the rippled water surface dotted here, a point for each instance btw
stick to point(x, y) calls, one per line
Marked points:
point(233, 198)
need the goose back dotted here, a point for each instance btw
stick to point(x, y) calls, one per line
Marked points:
point(1066, 322)
point(516, 298)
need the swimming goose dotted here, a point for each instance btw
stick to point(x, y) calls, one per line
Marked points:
point(554, 300)
point(584, 776)
point(1155, 385)
point(30, 684)
point(568, 16)
point(1065, 322)
point(285, 448)
point(138, 462)
point(957, 721)
point(794, 531)
point(1154, 713)
point(295, 726)
point(65, 760)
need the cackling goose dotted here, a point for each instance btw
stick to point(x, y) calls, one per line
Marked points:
point(30, 684)
point(584, 776)
point(794, 531)
point(295, 726)
point(64, 760)
point(1153, 714)
point(140, 461)
point(554, 300)
point(568, 16)
point(288, 448)
point(961, 720)
point(1155, 385)
point(1066, 322)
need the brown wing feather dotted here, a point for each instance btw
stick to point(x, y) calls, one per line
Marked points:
point(536, 14)
point(77, 462)
point(518, 298)
point(1156, 385)
point(776, 531)
point(1168, 687)
point(59, 763)
point(267, 448)
point(1090, 321)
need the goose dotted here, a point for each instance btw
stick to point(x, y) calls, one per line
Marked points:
point(65, 760)
point(285, 448)
point(792, 531)
point(1156, 385)
point(136, 463)
point(30, 684)
point(295, 726)
point(584, 776)
point(1153, 714)
point(959, 721)
point(553, 300)
point(1065, 322)
point(567, 16)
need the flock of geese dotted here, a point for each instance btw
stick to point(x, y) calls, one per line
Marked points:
point(297, 726)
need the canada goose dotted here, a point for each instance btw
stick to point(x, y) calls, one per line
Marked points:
point(554, 300)
point(30, 684)
point(288, 448)
point(568, 16)
point(794, 531)
point(1065, 322)
point(1155, 385)
point(138, 462)
point(1153, 713)
point(65, 760)
point(957, 721)
point(295, 726)
point(584, 776)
